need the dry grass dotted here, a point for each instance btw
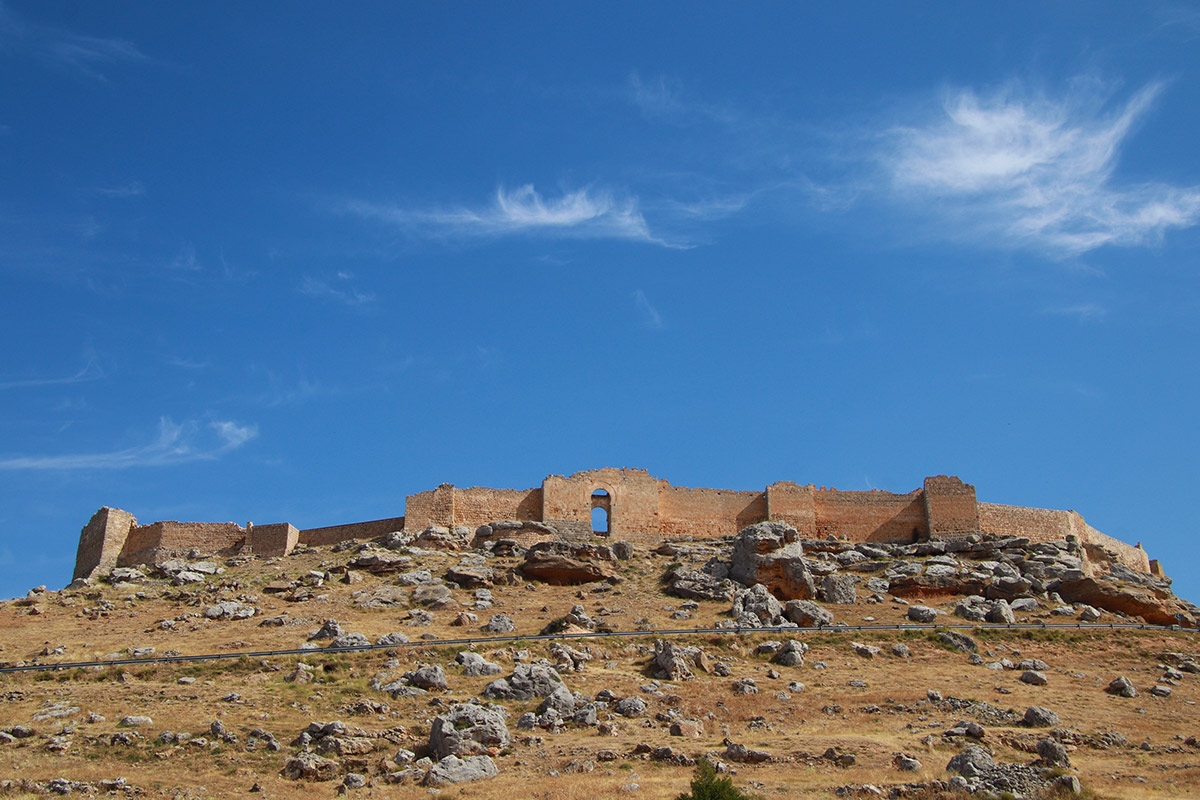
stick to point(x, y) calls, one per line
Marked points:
point(890, 715)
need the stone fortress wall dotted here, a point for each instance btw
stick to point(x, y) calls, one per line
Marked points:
point(639, 508)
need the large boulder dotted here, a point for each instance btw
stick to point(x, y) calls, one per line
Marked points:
point(526, 682)
point(1156, 605)
point(692, 584)
point(453, 769)
point(468, 730)
point(757, 607)
point(560, 570)
point(807, 614)
point(770, 554)
point(674, 662)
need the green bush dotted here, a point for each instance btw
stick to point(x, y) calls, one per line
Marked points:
point(707, 786)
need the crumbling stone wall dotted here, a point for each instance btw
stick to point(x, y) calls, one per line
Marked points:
point(950, 507)
point(269, 541)
point(476, 506)
point(641, 509)
point(101, 541)
point(872, 516)
point(705, 513)
point(794, 504)
point(159, 541)
point(320, 537)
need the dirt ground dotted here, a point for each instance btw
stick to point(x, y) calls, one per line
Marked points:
point(74, 714)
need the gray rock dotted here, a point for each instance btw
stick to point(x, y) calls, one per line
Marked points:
point(756, 607)
point(433, 595)
point(1034, 678)
point(807, 614)
point(1089, 614)
point(1122, 687)
point(865, 650)
point(900, 650)
point(500, 624)
point(922, 614)
point(971, 762)
point(1052, 753)
point(1001, 613)
point(958, 641)
point(770, 553)
point(475, 665)
point(329, 630)
point(839, 589)
point(906, 763)
point(675, 662)
point(453, 769)
point(135, 722)
point(229, 610)
point(791, 654)
point(414, 577)
point(1039, 717)
point(560, 700)
point(526, 682)
point(631, 707)
point(350, 640)
point(468, 729)
point(745, 686)
point(389, 639)
point(430, 678)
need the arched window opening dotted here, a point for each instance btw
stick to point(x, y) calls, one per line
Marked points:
point(601, 511)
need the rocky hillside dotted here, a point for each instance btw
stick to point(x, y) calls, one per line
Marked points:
point(813, 668)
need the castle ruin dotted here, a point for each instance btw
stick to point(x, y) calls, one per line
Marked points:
point(627, 504)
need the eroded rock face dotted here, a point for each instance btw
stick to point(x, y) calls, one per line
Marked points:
point(770, 554)
point(1154, 604)
point(468, 730)
point(560, 570)
point(756, 607)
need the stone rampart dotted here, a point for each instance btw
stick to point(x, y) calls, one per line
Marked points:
point(322, 537)
point(873, 516)
point(640, 509)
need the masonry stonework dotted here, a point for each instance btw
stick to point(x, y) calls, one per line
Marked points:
point(639, 507)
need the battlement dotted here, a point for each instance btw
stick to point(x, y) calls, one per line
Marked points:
point(627, 504)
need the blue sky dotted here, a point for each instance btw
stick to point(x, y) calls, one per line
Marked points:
point(294, 261)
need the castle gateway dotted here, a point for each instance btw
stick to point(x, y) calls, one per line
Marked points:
point(627, 504)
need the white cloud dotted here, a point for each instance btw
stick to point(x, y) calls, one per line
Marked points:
point(1031, 171)
point(1081, 311)
point(650, 315)
point(315, 287)
point(583, 213)
point(175, 444)
point(89, 372)
point(81, 54)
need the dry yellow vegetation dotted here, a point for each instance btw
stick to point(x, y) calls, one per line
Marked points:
point(890, 714)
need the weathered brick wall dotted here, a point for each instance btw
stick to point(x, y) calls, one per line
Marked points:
point(791, 503)
point(435, 507)
point(870, 516)
point(269, 541)
point(149, 544)
point(633, 498)
point(372, 529)
point(101, 541)
point(707, 513)
point(1039, 524)
point(950, 506)
point(1131, 556)
point(478, 506)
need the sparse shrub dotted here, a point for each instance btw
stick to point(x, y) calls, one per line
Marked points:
point(707, 786)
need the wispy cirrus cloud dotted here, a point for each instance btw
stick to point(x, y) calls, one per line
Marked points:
point(1022, 169)
point(649, 314)
point(78, 53)
point(175, 444)
point(90, 371)
point(1084, 312)
point(586, 213)
point(341, 293)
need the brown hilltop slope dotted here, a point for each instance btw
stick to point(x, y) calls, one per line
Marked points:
point(798, 711)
